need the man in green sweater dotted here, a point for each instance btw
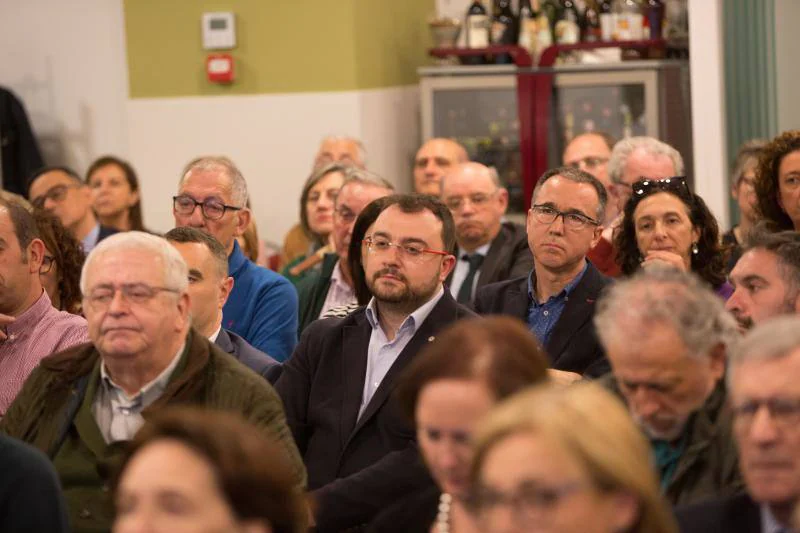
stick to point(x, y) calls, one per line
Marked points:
point(81, 406)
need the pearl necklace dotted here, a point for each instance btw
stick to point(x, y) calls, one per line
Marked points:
point(443, 518)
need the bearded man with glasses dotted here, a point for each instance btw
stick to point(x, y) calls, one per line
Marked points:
point(331, 286)
point(82, 405)
point(556, 299)
point(262, 306)
point(360, 452)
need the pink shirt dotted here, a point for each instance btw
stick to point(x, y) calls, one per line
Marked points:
point(40, 331)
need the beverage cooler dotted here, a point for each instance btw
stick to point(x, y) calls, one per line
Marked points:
point(519, 119)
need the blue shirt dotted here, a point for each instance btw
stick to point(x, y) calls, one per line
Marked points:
point(90, 241)
point(770, 524)
point(262, 307)
point(382, 352)
point(542, 318)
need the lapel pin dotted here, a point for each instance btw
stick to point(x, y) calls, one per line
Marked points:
point(431, 339)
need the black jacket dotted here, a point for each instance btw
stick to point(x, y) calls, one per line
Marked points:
point(356, 466)
point(312, 290)
point(253, 358)
point(19, 151)
point(735, 514)
point(508, 257)
point(413, 514)
point(573, 344)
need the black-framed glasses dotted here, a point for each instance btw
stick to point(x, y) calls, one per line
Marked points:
point(545, 214)
point(784, 412)
point(47, 264)
point(411, 251)
point(57, 194)
point(676, 185)
point(100, 297)
point(211, 209)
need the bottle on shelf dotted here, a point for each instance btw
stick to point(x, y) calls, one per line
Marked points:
point(544, 27)
point(590, 28)
point(477, 26)
point(628, 19)
point(527, 26)
point(606, 21)
point(567, 24)
point(503, 28)
point(654, 14)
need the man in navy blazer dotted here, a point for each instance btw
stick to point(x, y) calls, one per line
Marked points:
point(764, 395)
point(360, 452)
point(209, 287)
point(557, 298)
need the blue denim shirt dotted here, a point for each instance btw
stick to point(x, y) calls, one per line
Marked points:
point(542, 318)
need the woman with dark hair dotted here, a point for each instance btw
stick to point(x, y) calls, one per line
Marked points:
point(115, 194)
point(665, 222)
point(63, 260)
point(219, 474)
point(446, 396)
point(778, 182)
point(306, 244)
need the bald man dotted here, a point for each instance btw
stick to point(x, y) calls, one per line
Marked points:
point(489, 249)
point(433, 160)
point(590, 152)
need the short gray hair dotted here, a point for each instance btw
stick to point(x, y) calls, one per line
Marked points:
point(650, 145)
point(176, 274)
point(365, 177)
point(361, 149)
point(666, 295)
point(774, 339)
point(577, 176)
point(748, 155)
point(238, 184)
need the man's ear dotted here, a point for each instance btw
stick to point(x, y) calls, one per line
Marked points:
point(35, 255)
point(243, 220)
point(502, 197)
point(718, 361)
point(448, 263)
point(225, 288)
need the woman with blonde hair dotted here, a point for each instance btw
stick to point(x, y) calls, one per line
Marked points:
point(556, 459)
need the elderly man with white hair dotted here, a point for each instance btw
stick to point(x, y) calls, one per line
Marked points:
point(667, 337)
point(80, 406)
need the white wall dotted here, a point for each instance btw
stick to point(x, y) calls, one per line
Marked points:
point(787, 68)
point(66, 61)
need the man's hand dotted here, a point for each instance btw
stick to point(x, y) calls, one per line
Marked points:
point(562, 377)
point(5, 320)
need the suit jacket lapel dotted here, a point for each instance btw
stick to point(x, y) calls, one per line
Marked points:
point(493, 256)
point(443, 313)
point(518, 301)
point(355, 344)
point(577, 311)
point(224, 341)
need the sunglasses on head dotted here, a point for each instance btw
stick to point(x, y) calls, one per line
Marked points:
point(676, 185)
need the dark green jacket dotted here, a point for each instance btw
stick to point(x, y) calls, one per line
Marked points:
point(45, 409)
point(709, 465)
point(312, 291)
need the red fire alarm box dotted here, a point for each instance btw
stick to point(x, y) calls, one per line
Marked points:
point(219, 68)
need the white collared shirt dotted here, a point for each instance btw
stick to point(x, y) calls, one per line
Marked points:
point(118, 415)
point(462, 269)
point(770, 524)
point(382, 352)
point(340, 294)
point(213, 337)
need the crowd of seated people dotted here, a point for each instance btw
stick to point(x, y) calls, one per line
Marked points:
point(417, 362)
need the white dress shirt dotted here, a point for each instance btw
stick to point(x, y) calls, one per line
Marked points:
point(462, 269)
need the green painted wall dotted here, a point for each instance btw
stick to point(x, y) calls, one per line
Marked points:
point(283, 46)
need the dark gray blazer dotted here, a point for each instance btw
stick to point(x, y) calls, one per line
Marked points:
point(573, 345)
point(251, 357)
point(508, 257)
point(736, 514)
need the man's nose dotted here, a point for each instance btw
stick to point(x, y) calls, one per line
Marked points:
point(762, 429)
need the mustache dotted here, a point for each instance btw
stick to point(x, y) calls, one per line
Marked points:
point(389, 271)
point(745, 322)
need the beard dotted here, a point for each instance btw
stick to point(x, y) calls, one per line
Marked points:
point(404, 297)
point(669, 435)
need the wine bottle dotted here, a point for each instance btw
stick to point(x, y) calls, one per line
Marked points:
point(606, 21)
point(527, 26)
point(477, 26)
point(504, 25)
point(567, 28)
point(591, 32)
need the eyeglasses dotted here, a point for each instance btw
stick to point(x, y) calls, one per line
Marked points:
point(676, 185)
point(477, 200)
point(100, 297)
point(784, 412)
point(211, 209)
point(591, 162)
point(345, 214)
point(57, 194)
point(545, 214)
point(531, 502)
point(411, 252)
point(47, 264)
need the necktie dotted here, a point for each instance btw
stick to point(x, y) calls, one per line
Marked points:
point(465, 292)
